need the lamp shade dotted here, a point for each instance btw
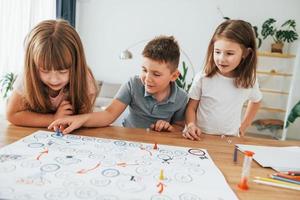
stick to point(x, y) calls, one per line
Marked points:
point(125, 55)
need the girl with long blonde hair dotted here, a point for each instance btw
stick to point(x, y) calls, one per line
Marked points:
point(56, 81)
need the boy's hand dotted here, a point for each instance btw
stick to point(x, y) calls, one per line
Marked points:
point(242, 130)
point(192, 132)
point(64, 109)
point(69, 123)
point(162, 125)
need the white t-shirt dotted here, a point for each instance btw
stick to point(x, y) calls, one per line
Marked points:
point(221, 102)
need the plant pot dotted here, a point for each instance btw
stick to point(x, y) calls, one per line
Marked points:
point(277, 47)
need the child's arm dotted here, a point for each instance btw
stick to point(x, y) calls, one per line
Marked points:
point(17, 114)
point(250, 113)
point(95, 119)
point(193, 132)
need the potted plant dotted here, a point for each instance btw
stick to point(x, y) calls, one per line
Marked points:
point(181, 80)
point(295, 113)
point(6, 84)
point(286, 33)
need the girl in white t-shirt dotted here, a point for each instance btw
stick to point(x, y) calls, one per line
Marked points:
point(217, 96)
point(56, 81)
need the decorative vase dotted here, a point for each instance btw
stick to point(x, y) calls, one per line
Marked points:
point(277, 47)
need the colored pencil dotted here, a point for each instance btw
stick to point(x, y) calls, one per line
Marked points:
point(235, 154)
point(277, 181)
point(276, 184)
point(284, 179)
point(296, 178)
point(292, 173)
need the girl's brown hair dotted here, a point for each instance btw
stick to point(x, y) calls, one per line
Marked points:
point(55, 45)
point(242, 33)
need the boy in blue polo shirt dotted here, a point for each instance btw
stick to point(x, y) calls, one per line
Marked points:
point(154, 100)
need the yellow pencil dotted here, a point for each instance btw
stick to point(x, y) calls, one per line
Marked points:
point(277, 181)
point(276, 184)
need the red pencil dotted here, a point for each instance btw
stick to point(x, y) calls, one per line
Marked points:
point(292, 173)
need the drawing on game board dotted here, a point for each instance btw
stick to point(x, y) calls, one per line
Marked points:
point(41, 136)
point(35, 145)
point(144, 160)
point(144, 170)
point(73, 137)
point(97, 156)
point(110, 172)
point(57, 194)
point(64, 174)
point(86, 193)
point(78, 167)
point(30, 163)
point(189, 196)
point(35, 179)
point(26, 197)
point(83, 153)
point(67, 160)
point(50, 167)
point(196, 152)
point(9, 157)
point(107, 197)
point(7, 168)
point(183, 178)
point(88, 139)
point(120, 143)
point(100, 182)
point(73, 183)
point(108, 163)
point(130, 186)
point(165, 158)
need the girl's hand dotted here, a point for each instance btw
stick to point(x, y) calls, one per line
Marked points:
point(64, 109)
point(162, 125)
point(69, 123)
point(192, 132)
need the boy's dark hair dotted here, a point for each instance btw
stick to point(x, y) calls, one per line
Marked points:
point(163, 49)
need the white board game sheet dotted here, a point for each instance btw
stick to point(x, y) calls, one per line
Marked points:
point(46, 166)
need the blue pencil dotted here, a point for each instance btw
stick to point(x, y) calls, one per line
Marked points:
point(284, 179)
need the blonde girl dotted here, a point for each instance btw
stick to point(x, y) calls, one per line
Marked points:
point(229, 80)
point(56, 81)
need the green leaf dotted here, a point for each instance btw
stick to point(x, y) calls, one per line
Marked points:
point(294, 114)
point(181, 80)
point(7, 82)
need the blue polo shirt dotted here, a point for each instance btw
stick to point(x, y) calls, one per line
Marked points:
point(144, 110)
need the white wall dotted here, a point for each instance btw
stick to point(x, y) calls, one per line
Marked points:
point(109, 26)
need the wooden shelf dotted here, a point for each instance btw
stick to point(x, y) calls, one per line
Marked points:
point(273, 73)
point(273, 91)
point(274, 110)
point(276, 55)
point(268, 109)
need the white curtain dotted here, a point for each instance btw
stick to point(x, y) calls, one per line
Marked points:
point(17, 17)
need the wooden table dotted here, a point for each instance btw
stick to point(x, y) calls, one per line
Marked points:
point(220, 149)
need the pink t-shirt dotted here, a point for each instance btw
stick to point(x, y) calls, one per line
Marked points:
point(63, 94)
